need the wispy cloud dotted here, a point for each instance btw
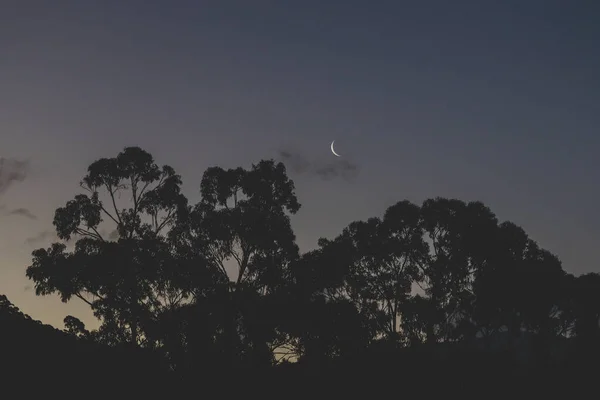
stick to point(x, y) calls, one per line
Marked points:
point(41, 237)
point(23, 212)
point(339, 168)
point(336, 168)
point(12, 171)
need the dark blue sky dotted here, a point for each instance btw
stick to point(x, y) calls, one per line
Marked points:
point(496, 101)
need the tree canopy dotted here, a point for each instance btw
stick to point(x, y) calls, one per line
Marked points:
point(223, 283)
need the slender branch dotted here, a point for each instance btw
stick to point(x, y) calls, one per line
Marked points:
point(83, 232)
point(94, 293)
point(84, 299)
point(217, 261)
point(154, 217)
point(85, 187)
point(109, 214)
point(97, 233)
point(134, 194)
point(237, 258)
point(165, 221)
point(143, 190)
point(111, 192)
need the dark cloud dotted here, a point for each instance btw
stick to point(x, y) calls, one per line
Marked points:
point(339, 168)
point(295, 161)
point(23, 212)
point(336, 168)
point(12, 171)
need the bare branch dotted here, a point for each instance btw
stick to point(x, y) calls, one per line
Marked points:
point(97, 233)
point(168, 218)
point(111, 193)
point(109, 214)
point(83, 232)
point(143, 190)
point(84, 299)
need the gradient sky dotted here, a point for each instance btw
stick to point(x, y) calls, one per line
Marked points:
point(496, 101)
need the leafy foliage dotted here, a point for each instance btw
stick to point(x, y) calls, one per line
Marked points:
point(222, 283)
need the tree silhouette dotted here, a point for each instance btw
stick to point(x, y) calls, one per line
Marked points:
point(126, 282)
point(387, 257)
point(582, 306)
point(458, 234)
point(437, 291)
point(242, 217)
point(240, 235)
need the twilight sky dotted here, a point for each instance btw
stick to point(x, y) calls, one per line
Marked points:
point(486, 100)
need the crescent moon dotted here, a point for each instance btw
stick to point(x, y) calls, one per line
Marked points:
point(333, 150)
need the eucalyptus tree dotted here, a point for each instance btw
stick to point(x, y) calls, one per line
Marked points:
point(460, 237)
point(125, 276)
point(240, 234)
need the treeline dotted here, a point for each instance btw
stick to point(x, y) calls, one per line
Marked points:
point(222, 284)
point(34, 356)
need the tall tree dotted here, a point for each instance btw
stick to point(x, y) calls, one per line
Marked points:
point(584, 306)
point(241, 232)
point(521, 288)
point(243, 218)
point(460, 235)
point(320, 313)
point(388, 257)
point(127, 280)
